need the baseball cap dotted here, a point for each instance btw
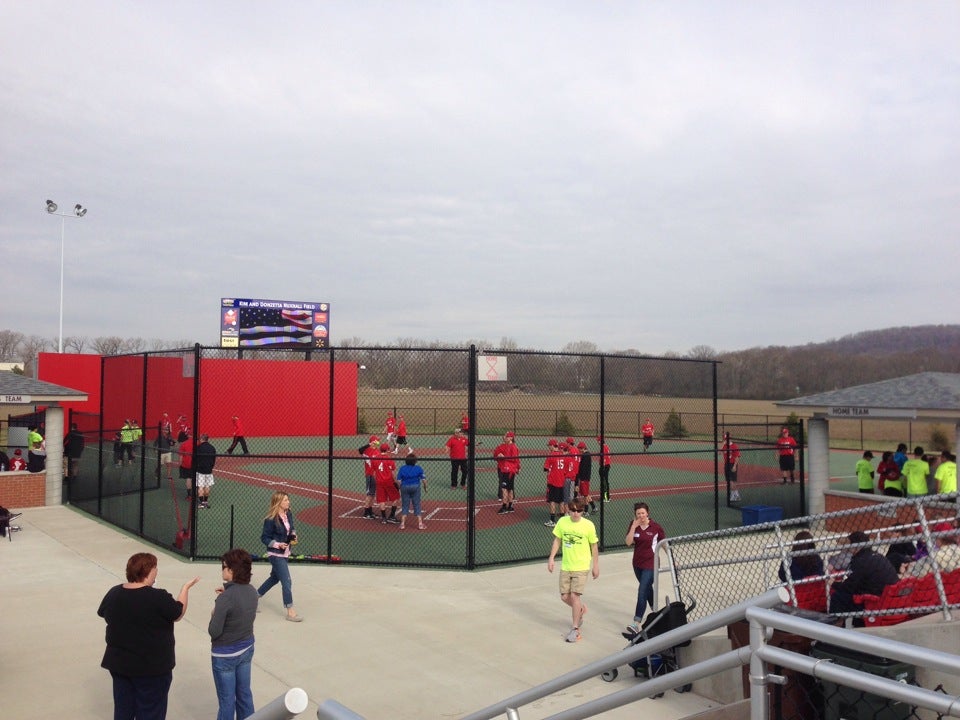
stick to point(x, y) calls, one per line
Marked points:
point(509, 434)
point(17, 452)
point(384, 446)
point(569, 441)
point(552, 443)
point(373, 439)
point(582, 445)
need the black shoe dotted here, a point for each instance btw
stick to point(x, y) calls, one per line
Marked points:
point(463, 484)
point(502, 510)
point(509, 508)
point(394, 520)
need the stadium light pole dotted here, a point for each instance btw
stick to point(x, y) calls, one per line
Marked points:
point(78, 212)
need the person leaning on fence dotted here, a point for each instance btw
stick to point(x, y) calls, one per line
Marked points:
point(915, 472)
point(869, 574)
point(864, 470)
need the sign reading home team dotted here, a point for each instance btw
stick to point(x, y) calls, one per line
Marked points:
point(249, 323)
point(866, 412)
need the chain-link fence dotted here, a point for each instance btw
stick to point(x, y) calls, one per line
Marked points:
point(305, 417)
point(811, 556)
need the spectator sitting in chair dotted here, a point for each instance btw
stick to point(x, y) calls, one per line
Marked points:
point(869, 574)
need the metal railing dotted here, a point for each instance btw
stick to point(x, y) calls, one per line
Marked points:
point(760, 656)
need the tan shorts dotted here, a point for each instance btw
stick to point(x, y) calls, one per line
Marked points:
point(166, 458)
point(573, 581)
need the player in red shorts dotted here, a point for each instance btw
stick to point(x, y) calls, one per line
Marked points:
point(384, 471)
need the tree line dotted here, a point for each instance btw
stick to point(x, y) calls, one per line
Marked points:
point(763, 373)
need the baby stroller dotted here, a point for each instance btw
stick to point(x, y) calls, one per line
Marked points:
point(669, 617)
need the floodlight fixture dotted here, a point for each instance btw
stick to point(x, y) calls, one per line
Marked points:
point(78, 211)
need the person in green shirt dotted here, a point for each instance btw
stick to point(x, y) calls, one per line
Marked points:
point(915, 471)
point(865, 473)
point(578, 537)
point(946, 475)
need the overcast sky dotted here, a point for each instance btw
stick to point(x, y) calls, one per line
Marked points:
point(640, 175)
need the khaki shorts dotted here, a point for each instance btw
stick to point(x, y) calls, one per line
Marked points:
point(573, 581)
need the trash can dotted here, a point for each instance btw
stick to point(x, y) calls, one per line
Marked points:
point(846, 703)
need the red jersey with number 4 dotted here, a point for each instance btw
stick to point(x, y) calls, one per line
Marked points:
point(457, 445)
point(785, 445)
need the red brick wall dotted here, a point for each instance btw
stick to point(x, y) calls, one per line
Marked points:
point(23, 490)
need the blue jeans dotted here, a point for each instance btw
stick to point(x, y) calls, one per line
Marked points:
point(410, 495)
point(279, 573)
point(644, 592)
point(231, 677)
point(140, 697)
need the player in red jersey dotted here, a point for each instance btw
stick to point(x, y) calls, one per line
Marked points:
point(508, 465)
point(647, 431)
point(384, 470)
point(786, 446)
point(402, 435)
point(731, 463)
point(457, 447)
point(604, 469)
point(570, 467)
point(553, 465)
point(390, 429)
point(238, 437)
point(369, 452)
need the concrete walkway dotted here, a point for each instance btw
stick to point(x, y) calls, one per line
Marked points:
point(399, 644)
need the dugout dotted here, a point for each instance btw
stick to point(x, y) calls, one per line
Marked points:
point(19, 393)
point(925, 397)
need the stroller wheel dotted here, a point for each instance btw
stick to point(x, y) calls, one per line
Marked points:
point(684, 688)
point(610, 675)
point(657, 696)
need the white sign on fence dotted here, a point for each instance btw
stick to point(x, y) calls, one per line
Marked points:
point(491, 368)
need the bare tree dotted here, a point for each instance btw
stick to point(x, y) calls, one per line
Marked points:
point(29, 349)
point(108, 345)
point(702, 352)
point(133, 345)
point(75, 343)
point(10, 344)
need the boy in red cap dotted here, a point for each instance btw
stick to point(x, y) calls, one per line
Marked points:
point(17, 462)
point(387, 491)
point(553, 466)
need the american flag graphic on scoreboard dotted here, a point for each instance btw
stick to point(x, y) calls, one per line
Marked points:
point(260, 327)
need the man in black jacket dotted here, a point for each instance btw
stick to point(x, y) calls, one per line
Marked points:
point(73, 445)
point(869, 574)
point(204, 459)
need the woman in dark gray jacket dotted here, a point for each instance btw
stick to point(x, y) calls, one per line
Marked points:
point(231, 635)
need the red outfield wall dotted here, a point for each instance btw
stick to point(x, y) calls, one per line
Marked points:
point(271, 397)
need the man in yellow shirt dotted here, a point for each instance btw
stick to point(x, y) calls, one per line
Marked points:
point(915, 471)
point(946, 475)
point(578, 537)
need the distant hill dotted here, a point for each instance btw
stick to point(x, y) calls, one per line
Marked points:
point(784, 372)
